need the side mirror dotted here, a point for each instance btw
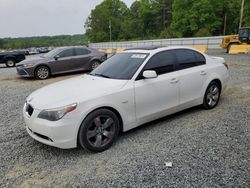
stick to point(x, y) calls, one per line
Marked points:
point(56, 57)
point(148, 74)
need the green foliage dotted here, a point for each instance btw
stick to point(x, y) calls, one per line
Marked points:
point(45, 41)
point(246, 17)
point(97, 24)
point(140, 22)
point(170, 33)
point(206, 14)
point(1, 43)
point(203, 32)
point(147, 19)
point(162, 13)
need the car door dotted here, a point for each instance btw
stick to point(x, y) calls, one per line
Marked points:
point(81, 59)
point(191, 66)
point(63, 61)
point(154, 97)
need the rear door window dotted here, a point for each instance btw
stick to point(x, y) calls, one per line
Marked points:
point(162, 62)
point(82, 51)
point(189, 58)
point(200, 59)
point(66, 53)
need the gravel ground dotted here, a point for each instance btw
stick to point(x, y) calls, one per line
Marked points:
point(207, 148)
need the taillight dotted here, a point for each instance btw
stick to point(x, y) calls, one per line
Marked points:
point(226, 65)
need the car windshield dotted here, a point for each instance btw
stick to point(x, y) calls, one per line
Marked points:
point(120, 66)
point(52, 53)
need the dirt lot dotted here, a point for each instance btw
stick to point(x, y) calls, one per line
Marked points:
point(207, 148)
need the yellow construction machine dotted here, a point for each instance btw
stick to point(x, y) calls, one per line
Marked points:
point(237, 43)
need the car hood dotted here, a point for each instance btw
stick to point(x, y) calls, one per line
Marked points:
point(34, 60)
point(74, 90)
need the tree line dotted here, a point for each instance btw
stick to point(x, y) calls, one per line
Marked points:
point(150, 19)
point(44, 41)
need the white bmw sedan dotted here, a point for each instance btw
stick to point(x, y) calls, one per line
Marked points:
point(129, 89)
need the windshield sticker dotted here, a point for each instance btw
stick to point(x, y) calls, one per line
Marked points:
point(140, 56)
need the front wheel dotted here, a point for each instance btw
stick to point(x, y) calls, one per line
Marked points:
point(212, 95)
point(99, 130)
point(42, 72)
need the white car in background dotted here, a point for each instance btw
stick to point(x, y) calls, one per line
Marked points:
point(129, 89)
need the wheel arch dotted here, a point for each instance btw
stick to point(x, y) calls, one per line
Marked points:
point(218, 81)
point(215, 80)
point(95, 59)
point(214, 77)
point(117, 113)
point(10, 57)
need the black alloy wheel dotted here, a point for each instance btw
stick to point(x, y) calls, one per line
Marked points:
point(99, 130)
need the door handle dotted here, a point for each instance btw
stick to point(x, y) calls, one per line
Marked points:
point(203, 73)
point(174, 81)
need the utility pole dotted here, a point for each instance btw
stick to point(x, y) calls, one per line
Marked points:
point(225, 25)
point(110, 31)
point(241, 13)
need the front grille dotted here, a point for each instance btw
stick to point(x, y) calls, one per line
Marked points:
point(21, 72)
point(29, 109)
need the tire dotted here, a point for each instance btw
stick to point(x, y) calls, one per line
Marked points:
point(10, 62)
point(42, 72)
point(94, 65)
point(212, 95)
point(98, 131)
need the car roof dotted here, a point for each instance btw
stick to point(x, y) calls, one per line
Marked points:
point(69, 47)
point(144, 48)
point(156, 49)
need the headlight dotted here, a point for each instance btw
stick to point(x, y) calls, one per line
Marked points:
point(56, 113)
point(28, 65)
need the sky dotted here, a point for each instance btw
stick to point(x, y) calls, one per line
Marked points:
point(26, 18)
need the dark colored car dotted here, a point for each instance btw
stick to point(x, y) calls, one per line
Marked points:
point(43, 50)
point(11, 58)
point(62, 60)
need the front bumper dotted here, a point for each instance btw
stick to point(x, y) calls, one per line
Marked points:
point(61, 133)
point(25, 72)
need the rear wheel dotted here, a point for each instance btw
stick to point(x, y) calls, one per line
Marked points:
point(10, 62)
point(94, 65)
point(212, 95)
point(42, 72)
point(99, 130)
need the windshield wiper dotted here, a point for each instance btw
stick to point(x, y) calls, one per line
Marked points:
point(101, 75)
